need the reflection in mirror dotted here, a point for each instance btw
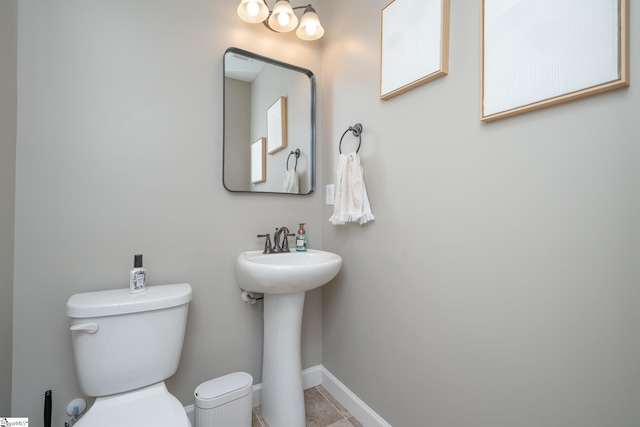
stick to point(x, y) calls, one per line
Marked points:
point(267, 100)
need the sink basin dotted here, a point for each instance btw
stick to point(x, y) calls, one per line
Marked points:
point(286, 273)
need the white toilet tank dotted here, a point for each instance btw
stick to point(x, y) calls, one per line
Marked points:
point(124, 341)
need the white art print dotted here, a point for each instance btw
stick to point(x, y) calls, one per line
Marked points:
point(414, 44)
point(258, 161)
point(537, 53)
point(277, 125)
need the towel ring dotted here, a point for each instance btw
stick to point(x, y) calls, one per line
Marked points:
point(357, 131)
point(297, 154)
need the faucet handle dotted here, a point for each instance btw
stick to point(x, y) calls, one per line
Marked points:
point(267, 244)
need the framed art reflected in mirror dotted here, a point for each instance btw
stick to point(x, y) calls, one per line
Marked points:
point(258, 161)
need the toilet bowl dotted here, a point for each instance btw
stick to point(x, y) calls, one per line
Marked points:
point(125, 346)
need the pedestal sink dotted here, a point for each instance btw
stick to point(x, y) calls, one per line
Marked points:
point(284, 278)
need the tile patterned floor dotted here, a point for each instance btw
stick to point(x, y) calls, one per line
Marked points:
point(322, 409)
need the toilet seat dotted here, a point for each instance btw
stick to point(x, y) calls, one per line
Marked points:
point(151, 406)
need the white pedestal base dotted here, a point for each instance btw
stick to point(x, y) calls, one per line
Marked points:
point(282, 392)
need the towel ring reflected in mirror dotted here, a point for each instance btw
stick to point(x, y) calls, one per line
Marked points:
point(357, 131)
point(297, 154)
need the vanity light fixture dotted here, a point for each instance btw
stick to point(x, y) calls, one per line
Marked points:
point(282, 19)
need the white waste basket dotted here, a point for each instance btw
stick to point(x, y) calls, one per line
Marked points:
point(225, 401)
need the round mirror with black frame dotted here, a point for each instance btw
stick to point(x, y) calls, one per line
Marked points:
point(269, 125)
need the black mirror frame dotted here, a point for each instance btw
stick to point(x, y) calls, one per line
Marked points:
point(312, 81)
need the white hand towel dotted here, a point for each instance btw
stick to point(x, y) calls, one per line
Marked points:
point(290, 182)
point(351, 201)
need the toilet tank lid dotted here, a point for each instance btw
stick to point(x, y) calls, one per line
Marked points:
point(120, 301)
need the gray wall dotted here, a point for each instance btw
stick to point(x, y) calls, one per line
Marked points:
point(237, 150)
point(8, 108)
point(498, 285)
point(119, 152)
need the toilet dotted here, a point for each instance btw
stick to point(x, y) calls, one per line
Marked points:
point(125, 346)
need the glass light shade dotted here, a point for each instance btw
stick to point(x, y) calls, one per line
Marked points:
point(253, 11)
point(283, 19)
point(310, 28)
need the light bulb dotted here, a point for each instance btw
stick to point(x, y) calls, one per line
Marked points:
point(283, 19)
point(253, 11)
point(253, 8)
point(311, 29)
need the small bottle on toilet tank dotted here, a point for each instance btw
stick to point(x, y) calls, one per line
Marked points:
point(138, 276)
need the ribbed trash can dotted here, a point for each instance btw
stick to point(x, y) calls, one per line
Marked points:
point(225, 401)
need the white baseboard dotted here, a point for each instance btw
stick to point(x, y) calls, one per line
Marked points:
point(311, 377)
point(317, 375)
point(352, 403)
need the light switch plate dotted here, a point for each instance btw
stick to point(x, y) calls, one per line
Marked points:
point(329, 194)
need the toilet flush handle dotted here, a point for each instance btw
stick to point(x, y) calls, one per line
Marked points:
point(90, 328)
